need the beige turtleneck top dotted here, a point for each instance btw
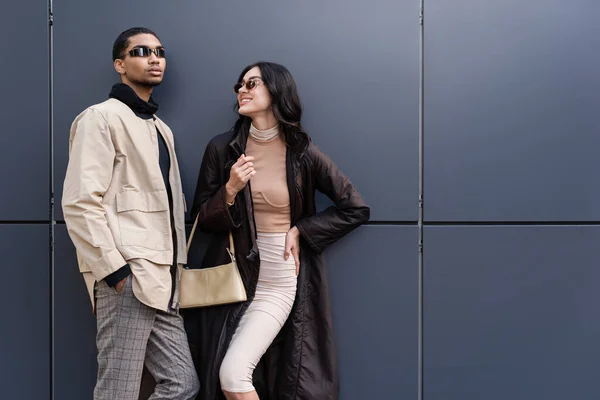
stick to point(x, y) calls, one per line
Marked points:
point(269, 185)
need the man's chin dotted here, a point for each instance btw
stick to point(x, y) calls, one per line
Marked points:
point(150, 82)
point(154, 83)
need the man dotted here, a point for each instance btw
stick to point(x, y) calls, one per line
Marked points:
point(124, 209)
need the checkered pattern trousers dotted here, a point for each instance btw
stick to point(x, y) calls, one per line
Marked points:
point(131, 335)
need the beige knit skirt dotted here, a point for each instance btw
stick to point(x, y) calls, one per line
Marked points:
point(265, 316)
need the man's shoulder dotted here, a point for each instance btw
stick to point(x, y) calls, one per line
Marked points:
point(104, 109)
point(109, 106)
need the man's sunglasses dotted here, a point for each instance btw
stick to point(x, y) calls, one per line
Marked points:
point(146, 51)
point(251, 84)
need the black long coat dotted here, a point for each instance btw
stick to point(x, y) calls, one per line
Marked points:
point(301, 363)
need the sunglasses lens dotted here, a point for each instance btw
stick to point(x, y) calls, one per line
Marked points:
point(136, 52)
point(146, 52)
point(248, 85)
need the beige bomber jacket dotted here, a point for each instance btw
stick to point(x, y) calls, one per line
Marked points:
point(115, 201)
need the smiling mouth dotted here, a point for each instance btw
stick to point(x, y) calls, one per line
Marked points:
point(245, 101)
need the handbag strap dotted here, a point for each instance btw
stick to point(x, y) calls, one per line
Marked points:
point(189, 243)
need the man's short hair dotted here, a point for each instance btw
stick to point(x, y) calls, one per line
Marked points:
point(123, 40)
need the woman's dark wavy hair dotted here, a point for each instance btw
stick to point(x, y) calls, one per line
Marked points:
point(286, 105)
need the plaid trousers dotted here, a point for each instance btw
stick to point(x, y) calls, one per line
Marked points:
point(131, 335)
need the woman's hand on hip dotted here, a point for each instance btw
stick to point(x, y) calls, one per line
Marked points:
point(292, 245)
point(240, 174)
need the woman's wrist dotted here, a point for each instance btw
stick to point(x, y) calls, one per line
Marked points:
point(229, 194)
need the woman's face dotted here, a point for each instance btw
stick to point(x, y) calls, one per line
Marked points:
point(253, 96)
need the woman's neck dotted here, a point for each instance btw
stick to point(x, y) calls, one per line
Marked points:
point(264, 135)
point(264, 122)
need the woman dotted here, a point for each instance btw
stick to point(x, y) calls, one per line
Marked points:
point(258, 181)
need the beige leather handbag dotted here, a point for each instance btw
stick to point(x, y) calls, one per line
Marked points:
point(211, 286)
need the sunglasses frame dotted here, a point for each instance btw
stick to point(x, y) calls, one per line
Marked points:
point(145, 51)
point(250, 85)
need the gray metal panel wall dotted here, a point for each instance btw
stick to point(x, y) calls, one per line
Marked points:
point(74, 325)
point(25, 328)
point(24, 154)
point(510, 135)
point(511, 126)
point(356, 65)
point(510, 312)
point(374, 299)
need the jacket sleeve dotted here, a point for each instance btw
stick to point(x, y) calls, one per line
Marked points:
point(349, 212)
point(210, 200)
point(89, 173)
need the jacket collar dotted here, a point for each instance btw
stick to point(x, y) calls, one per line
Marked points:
point(238, 143)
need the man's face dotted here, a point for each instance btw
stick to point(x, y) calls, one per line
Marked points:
point(143, 68)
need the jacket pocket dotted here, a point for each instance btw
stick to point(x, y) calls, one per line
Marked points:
point(144, 219)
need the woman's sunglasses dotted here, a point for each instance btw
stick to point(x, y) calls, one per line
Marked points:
point(146, 51)
point(251, 84)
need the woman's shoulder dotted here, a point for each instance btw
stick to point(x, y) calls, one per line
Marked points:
point(314, 154)
point(221, 141)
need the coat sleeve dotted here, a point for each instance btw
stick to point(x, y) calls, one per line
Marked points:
point(89, 173)
point(210, 204)
point(349, 212)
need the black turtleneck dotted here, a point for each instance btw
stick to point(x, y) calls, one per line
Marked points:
point(127, 95)
point(145, 110)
